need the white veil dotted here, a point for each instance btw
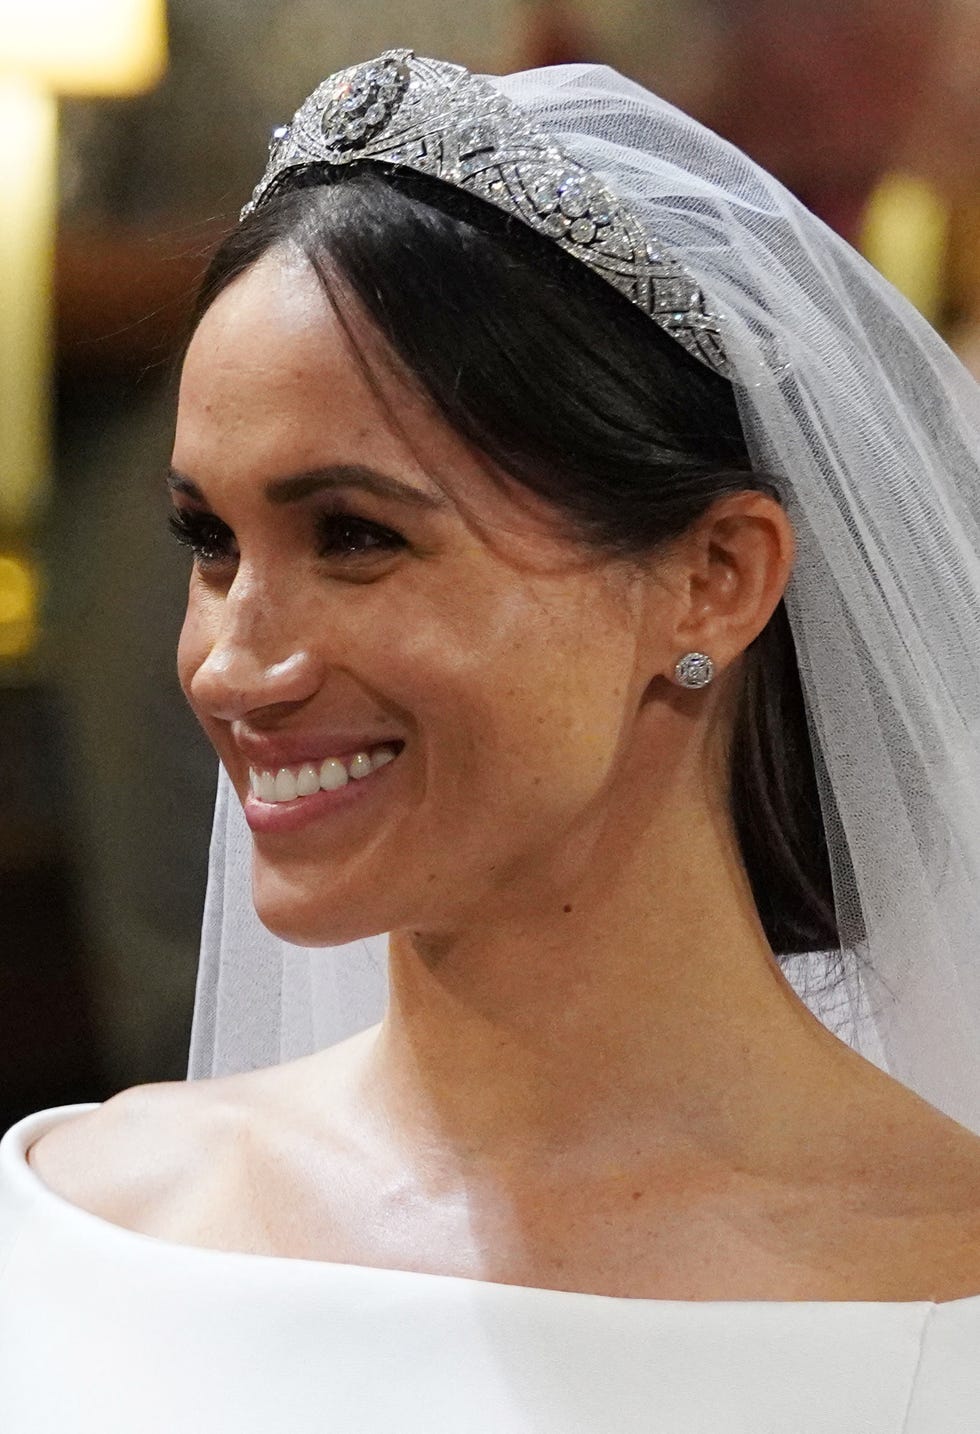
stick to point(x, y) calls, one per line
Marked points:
point(850, 395)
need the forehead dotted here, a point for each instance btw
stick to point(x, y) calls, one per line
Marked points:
point(273, 385)
point(270, 362)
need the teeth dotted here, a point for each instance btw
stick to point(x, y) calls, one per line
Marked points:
point(288, 783)
point(308, 780)
point(333, 774)
point(360, 765)
point(284, 788)
point(266, 782)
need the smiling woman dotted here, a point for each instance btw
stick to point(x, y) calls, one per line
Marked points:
point(581, 639)
point(617, 447)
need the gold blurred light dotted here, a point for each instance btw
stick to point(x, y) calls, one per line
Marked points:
point(18, 606)
point(904, 234)
point(28, 123)
point(47, 48)
point(84, 47)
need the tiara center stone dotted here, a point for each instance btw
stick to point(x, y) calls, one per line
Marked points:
point(363, 102)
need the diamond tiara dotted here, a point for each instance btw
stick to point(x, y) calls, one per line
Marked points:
point(439, 119)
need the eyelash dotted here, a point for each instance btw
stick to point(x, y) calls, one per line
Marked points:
point(207, 536)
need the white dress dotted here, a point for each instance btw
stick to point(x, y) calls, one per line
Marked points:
point(107, 1331)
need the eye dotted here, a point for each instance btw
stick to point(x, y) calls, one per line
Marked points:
point(339, 534)
point(207, 537)
point(343, 534)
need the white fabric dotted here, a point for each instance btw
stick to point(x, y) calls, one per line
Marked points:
point(106, 1331)
point(874, 427)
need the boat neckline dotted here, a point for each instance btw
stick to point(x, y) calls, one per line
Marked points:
point(24, 1179)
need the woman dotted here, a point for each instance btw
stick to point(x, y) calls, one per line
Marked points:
point(607, 653)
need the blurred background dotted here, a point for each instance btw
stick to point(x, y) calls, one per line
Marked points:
point(124, 165)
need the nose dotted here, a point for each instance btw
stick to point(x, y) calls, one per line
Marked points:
point(251, 661)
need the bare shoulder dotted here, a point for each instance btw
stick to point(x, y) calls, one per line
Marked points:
point(139, 1150)
point(208, 1162)
point(910, 1210)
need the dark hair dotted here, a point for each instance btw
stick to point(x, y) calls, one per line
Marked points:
point(582, 398)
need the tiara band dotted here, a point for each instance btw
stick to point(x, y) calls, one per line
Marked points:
point(437, 118)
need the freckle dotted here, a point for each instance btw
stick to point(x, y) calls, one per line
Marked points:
point(432, 876)
point(637, 1194)
point(566, 908)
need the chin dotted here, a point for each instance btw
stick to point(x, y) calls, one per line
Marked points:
point(294, 916)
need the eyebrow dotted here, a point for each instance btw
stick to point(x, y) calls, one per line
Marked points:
point(337, 475)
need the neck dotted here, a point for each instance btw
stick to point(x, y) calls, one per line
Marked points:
point(634, 1015)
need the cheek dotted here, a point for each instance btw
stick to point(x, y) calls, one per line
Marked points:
point(526, 720)
point(563, 731)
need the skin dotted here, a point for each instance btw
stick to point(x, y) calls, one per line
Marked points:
point(592, 1074)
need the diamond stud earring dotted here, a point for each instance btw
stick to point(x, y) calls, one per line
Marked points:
point(694, 670)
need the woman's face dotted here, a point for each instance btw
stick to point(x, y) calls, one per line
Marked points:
point(509, 663)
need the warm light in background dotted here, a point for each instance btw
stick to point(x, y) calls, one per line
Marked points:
point(904, 234)
point(84, 47)
point(47, 47)
point(18, 606)
point(28, 173)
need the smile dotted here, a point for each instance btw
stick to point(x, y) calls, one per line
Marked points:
point(339, 788)
point(289, 783)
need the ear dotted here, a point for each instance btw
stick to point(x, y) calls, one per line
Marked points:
point(727, 575)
